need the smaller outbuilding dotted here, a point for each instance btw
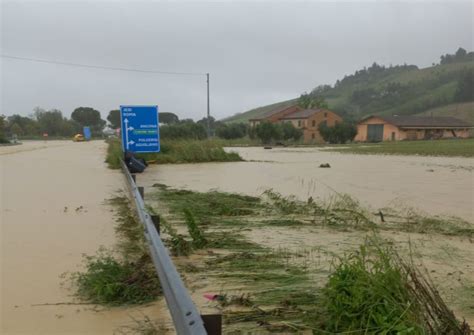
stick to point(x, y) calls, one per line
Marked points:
point(395, 128)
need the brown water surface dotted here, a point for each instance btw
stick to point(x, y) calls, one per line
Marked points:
point(44, 232)
point(436, 185)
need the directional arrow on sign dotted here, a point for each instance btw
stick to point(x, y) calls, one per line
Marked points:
point(127, 128)
point(131, 142)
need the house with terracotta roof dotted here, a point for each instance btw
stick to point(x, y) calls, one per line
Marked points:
point(395, 128)
point(306, 119)
point(309, 120)
point(274, 116)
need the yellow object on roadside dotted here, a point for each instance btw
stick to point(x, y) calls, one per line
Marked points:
point(78, 138)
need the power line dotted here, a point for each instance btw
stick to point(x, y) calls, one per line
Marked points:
point(101, 67)
point(120, 69)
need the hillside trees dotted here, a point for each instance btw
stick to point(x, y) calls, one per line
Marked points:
point(312, 101)
point(461, 55)
point(465, 88)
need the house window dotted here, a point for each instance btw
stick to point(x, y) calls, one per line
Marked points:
point(325, 114)
point(299, 123)
point(312, 135)
point(313, 123)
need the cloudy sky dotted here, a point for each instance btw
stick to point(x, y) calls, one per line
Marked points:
point(256, 52)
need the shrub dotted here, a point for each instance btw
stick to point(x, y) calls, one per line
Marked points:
point(183, 130)
point(110, 281)
point(268, 132)
point(232, 131)
point(339, 133)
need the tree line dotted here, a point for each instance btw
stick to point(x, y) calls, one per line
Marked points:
point(51, 122)
point(55, 124)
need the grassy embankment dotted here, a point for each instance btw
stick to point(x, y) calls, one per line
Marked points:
point(175, 152)
point(370, 290)
point(451, 148)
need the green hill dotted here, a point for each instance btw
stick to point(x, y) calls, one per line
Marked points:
point(463, 111)
point(402, 90)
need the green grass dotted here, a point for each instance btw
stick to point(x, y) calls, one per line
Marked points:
point(208, 204)
point(176, 152)
point(109, 280)
point(122, 276)
point(451, 148)
point(370, 291)
point(341, 212)
point(463, 111)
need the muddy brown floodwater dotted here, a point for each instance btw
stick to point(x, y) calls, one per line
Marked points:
point(431, 185)
point(44, 232)
point(435, 185)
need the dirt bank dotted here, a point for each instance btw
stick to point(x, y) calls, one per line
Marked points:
point(52, 211)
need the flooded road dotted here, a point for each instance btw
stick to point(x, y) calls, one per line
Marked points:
point(435, 185)
point(44, 232)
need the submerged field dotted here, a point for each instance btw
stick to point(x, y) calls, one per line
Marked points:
point(274, 264)
point(436, 185)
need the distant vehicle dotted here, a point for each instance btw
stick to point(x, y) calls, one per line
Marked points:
point(78, 138)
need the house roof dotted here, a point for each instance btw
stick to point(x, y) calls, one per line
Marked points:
point(272, 112)
point(304, 114)
point(423, 121)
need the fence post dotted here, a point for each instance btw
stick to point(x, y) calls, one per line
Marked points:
point(156, 222)
point(212, 323)
point(141, 190)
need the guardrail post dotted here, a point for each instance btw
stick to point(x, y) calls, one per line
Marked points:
point(141, 190)
point(212, 323)
point(156, 222)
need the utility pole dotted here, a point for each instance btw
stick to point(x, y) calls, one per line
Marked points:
point(208, 110)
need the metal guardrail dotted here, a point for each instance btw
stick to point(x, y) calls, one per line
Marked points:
point(186, 317)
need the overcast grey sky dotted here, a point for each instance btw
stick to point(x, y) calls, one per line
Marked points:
point(256, 52)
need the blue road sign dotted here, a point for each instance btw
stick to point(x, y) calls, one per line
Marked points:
point(87, 133)
point(140, 131)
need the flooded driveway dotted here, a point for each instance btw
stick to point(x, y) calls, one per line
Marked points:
point(435, 185)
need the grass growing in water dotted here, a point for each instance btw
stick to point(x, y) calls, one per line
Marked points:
point(368, 293)
point(209, 204)
point(175, 152)
point(374, 290)
point(109, 280)
point(124, 276)
point(371, 291)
